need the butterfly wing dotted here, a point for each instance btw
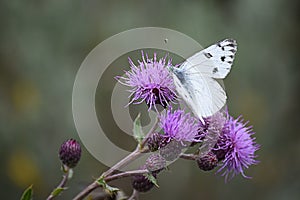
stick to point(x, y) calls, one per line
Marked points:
point(202, 94)
point(215, 61)
point(195, 79)
point(208, 97)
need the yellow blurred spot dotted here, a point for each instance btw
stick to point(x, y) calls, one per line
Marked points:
point(25, 96)
point(22, 170)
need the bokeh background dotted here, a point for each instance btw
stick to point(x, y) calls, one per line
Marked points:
point(44, 42)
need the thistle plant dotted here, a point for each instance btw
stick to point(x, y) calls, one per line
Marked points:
point(219, 142)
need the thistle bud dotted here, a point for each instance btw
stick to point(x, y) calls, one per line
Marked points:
point(156, 141)
point(69, 153)
point(155, 163)
point(171, 151)
point(207, 162)
point(141, 182)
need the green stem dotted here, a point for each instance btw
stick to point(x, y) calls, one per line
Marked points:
point(61, 184)
point(140, 149)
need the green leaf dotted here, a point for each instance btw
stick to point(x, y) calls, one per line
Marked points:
point(107, 187)
point(57, 191)
point(27, 194)
point(101, 181)
point(137, 129)
point(111, 189)
point(151, 178)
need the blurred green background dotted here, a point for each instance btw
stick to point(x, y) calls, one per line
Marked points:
point(44, 42)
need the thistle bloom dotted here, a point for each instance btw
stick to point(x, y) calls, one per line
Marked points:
point(179, 126)
point(236, 148)
point(150, 81)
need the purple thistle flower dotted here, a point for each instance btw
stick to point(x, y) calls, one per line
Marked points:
point(150, 81)
point(236, 147)
point(179, 126)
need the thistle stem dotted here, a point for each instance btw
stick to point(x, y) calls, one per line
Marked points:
point(95, 185)
point(62, 183)
point(134, 196)
point(126, 174)
point(143, 143)
point(132, 156)
point(188, 156)
point(140, 149)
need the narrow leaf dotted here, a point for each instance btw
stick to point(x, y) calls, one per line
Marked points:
point(137, 129)
point(57, 191)
point(151, 178)
point(111, 189)
point(27, 194)
point(107, 187)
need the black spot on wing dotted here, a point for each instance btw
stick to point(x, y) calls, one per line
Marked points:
point(231, 45)
point(223, 58)
point(208, 55)
point(215, 70)
point(231, 41)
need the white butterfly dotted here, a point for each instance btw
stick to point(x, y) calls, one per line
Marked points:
point(195, 79)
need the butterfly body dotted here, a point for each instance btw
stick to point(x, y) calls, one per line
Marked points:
point(195, 80)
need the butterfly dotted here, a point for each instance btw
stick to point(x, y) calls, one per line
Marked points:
point(196, 79)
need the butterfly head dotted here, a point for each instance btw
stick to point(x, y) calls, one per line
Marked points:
point(170, 68)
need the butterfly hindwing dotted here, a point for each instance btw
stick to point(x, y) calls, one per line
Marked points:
point(207, 95)
point(202, 94)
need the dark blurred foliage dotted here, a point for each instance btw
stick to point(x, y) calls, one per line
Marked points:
point(44, 42)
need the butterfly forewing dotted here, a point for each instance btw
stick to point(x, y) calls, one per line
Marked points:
point(206, 94)
point(215, 61)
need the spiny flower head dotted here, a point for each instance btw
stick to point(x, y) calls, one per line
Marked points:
point(178, 125)
point(150, 81)
point(236, 147)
